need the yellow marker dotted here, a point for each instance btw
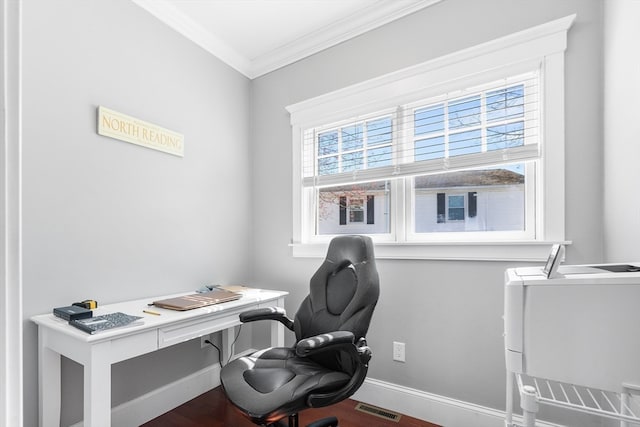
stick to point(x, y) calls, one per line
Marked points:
point(151, 312)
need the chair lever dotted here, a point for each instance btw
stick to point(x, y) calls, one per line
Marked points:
point(364, 351)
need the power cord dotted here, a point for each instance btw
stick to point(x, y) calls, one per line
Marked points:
point(220, 351)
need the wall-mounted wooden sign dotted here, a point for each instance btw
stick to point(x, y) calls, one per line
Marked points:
point(126, 128)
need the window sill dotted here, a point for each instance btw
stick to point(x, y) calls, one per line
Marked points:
point(458, 251)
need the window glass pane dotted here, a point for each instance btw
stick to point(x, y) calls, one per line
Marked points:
point(505, 104)
point(356, 211)
point(456, 202)
point(465, 143)
point(328, 143)
point(378, 157)
point(456, 208)
point(464, 112)
point(456, 214)
point(505, 136)
point(379, 131)
point(365, 210)
point(428, 120)
point(496, 194)
point(352, 161)
point(352, 137)
point(328, 165)
point(430, 148)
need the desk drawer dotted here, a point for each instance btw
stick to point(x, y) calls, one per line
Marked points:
point(186, 331)
point(134, 345)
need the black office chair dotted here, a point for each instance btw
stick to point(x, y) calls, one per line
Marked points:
point(330, 359)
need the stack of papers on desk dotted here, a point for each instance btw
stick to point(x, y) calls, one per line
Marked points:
point(196, 300)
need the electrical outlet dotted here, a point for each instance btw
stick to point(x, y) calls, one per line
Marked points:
point(204, 338)
point(398, 351)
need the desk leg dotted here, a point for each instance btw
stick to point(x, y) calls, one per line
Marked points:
point(97, 387)
point(48, 383)
point(228, 336)
point(277, 329)
point(509, 404)
point(277, 334)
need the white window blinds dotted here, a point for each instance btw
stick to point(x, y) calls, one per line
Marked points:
point(486, 125)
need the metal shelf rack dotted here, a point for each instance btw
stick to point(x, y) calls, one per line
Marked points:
point(624, 406)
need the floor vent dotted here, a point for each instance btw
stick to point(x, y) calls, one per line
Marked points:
point(378, 412)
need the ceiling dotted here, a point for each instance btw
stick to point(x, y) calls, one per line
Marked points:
point(259, 36)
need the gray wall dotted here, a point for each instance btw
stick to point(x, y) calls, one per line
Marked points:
point(113, 221)
point(453, 309)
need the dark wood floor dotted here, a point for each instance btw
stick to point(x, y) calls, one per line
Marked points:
point(213, 410)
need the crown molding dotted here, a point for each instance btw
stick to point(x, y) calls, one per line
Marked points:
point(335, 33)
point(530, 43)
point(174, 18)
point(323, 38)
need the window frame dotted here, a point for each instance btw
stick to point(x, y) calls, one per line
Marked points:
point(541, 47)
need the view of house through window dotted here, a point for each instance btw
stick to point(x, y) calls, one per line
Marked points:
point(476, 200)
point(357, 209)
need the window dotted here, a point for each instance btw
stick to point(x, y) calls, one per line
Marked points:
point(424, 150)
point(465, 150)
point(455, 208)
point(356, 211)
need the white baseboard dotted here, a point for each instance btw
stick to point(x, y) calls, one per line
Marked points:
point(161, 400)
point(155, 403)
point(414, 403)
point(434, 408)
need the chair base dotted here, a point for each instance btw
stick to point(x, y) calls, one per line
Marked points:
point(293, 422)
point(325, 422)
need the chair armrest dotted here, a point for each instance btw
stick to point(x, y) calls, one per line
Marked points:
point(361, 355)
point(267, 313)
point(319, 343)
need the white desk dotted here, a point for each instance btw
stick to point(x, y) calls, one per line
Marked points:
point(98, 352)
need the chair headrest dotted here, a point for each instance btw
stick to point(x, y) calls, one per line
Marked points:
point(355, 249)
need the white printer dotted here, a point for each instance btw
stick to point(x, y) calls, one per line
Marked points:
point(580, 327)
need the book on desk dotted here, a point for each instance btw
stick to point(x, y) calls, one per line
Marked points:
point(105, 322)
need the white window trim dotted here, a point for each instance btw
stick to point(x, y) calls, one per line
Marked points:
point(11, 325)
point(540, 47)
